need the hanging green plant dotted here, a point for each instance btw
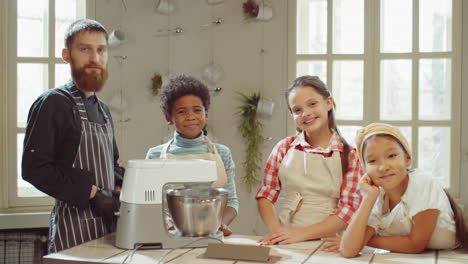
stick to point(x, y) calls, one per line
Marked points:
point(156, 83)
point(251, 130)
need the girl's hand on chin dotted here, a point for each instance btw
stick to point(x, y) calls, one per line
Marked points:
point(367, 186)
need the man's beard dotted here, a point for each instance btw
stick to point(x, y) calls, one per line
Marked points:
point(89, 81)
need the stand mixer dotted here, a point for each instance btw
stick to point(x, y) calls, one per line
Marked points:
point(143, 210)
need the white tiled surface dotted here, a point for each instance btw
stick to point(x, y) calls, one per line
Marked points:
point(322, 257)
point(103, 242)
point(152, 256)
point(452, 257)
point(82, 254)
point(103, 251)
point(428, 257)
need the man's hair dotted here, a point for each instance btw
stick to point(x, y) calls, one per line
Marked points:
point(83, 25)
point(183, 85)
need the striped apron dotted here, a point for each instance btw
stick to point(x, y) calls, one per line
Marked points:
point(70, 225)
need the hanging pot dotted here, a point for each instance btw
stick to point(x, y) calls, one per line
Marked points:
point(214, 2)
point(165, 7)
point(212, 73)
point(264, 13)
point(116, 38)
point(265, 106)
point(118, 103)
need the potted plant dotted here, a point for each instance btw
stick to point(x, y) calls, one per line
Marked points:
point(251, 130)
point(156, 83)
point(250, 8)
point(253, 10)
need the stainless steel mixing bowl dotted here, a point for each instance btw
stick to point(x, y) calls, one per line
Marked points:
point(197, 211)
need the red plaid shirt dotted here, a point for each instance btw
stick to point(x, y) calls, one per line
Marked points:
point(350, 197)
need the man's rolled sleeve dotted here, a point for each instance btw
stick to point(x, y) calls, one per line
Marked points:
point(42, 166)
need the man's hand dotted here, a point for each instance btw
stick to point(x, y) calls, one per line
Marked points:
point(93, 192)
point(105, 203)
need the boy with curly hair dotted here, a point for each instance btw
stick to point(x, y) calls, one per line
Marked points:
point(185, 102)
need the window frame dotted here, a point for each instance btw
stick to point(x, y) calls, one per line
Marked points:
point(9, 201)
point(372, 58)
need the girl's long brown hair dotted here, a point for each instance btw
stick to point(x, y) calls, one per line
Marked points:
point(460, 223)
point(315, 83)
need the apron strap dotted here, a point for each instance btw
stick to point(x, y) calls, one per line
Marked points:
point(336, 154)
point(102, 111)
point(79, 104)
point(164, 149)
point(211, 147)
point(76, 95)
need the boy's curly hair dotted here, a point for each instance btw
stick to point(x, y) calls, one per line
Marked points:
point(179, 86)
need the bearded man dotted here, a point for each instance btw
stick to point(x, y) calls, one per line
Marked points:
point(70, 151)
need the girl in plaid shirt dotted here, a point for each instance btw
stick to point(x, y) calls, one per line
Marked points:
point(316, 172)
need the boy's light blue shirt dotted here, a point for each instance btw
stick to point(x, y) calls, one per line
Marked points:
point(185, 146)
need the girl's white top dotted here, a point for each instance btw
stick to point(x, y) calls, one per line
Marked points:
point(423, 193)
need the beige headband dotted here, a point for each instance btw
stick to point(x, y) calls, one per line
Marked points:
point(379, 129)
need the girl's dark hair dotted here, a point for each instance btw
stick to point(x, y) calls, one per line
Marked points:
point(183, 85)
point(460, 223)
point(317, 84)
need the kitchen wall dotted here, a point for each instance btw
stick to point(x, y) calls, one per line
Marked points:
point(235, 45)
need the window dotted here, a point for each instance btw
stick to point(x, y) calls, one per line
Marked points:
point(35, 41)
point(391, 61)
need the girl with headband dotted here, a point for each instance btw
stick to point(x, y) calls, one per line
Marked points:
point(401, 210)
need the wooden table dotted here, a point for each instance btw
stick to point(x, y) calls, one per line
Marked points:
point(103, 251)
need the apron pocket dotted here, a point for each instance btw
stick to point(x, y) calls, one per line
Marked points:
point(292, 204)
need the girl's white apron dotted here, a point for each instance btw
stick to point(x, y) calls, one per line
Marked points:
point(310, 187)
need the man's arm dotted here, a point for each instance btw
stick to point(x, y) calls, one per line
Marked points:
point(118, 170)
point(40, 165)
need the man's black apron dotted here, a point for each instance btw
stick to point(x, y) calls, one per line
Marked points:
point(69, 225)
